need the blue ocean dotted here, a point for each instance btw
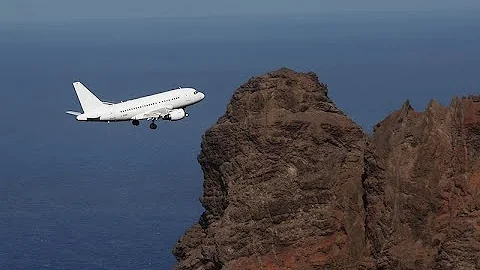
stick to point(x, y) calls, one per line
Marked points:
point(113, 196)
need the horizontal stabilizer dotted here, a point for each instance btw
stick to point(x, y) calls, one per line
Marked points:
point(73, 113)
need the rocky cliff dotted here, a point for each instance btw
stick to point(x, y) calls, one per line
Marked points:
point(292, 183)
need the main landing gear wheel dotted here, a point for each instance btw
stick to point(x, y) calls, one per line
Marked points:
point(153, 126)
point(135, 122)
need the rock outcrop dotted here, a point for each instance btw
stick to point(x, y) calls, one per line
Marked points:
point(422, 194)
point(292, 183)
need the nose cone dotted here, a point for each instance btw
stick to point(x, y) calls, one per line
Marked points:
point(202, 95)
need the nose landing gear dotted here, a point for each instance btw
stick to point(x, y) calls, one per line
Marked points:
point(153, 126)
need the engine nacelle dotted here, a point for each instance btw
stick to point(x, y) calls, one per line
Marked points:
point(175, 115)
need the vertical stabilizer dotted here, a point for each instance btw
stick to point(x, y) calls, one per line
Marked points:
point(87, 99)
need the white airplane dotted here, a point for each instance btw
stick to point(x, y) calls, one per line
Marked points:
point(168, 105)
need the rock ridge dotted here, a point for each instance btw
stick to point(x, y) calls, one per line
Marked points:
point(292, 183)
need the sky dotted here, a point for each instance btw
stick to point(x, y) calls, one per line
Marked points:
point(64, 10)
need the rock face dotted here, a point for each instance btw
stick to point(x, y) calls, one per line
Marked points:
point(422, 190)
point(293, 183)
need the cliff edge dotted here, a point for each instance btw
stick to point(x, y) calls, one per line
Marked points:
point(292, 183)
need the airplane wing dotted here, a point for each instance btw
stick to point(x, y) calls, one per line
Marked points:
point(108, 102)
point(153, 114)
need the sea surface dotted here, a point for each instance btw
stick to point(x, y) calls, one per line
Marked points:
point(114, 196)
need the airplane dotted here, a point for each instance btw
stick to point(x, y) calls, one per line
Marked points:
point(169, 105)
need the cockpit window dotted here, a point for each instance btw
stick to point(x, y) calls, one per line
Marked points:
point(196, 92)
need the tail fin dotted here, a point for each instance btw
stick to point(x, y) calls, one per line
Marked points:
point(88, 100)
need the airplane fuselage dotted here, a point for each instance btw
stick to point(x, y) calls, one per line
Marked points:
point(137, 109)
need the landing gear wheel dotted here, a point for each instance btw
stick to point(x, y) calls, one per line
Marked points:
point(153, 126)
point(186, 114)
point(135, 122)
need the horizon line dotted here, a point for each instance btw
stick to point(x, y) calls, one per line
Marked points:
point(310, 15)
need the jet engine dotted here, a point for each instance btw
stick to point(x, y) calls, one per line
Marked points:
point(175, 115)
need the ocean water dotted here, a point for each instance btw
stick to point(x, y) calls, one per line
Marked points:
point(113, 196)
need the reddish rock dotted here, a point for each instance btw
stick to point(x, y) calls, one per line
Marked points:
point(422, 197)
point(293, 183)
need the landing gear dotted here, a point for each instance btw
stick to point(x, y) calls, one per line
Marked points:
point(186, 114)
point(135, 122)
point(153, 126)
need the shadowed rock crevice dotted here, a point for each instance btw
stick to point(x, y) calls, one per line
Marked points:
point(292, 183)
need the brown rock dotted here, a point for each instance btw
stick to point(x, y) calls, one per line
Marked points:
point(422, 199)
point(282, 183)
point(293, 183)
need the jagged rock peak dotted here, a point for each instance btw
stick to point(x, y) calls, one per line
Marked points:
point(428, 167)
point(406, 107)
